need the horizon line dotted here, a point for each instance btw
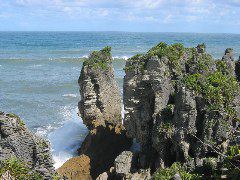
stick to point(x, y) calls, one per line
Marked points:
point(121, 31)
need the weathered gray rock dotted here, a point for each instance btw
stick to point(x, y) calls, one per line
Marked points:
point(145, 95)
point(100, 96)
point(172, 121)
point(100, 108)
point(17, 141)
point(124, 162)
point(176, 177)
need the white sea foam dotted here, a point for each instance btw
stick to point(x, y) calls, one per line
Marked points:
point(121, 57)
point(70, 95)
point(67, 139)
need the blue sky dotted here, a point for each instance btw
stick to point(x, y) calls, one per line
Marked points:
point(221, 16)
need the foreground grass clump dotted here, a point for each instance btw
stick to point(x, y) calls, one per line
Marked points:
point(99, 59)
point(176, 168)
point(217, 88)
point(18, 170)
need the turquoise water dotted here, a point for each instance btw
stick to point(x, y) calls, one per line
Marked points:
point(39, 73)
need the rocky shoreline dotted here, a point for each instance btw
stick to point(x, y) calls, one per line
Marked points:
point(181, 106)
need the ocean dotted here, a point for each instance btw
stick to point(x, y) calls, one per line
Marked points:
point(39, 73)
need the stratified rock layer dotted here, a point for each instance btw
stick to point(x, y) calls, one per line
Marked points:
point(100, 96)
point(17, 141)
point(174, 107)
point(100, 108)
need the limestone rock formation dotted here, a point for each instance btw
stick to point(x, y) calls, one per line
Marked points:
point(100, 96)
point(100, 108)
point(16, 141)
point(180, 104)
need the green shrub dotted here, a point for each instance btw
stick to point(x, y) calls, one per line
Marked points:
point(217, 88)
point(168, 173)
point(99, 59)
point(18, 169)
point(173, 52)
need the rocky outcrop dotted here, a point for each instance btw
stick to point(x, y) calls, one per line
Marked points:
point(181, 105)
point(125, 167)
point(76, 168)
point(16, 141)
point(100, 108)
point(102, 145)
point(100, 96)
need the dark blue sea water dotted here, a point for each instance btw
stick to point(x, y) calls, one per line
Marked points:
point(39, 73)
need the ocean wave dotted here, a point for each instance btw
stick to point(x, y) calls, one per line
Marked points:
point(121, 57)
point(70, 95)
point(66, 139)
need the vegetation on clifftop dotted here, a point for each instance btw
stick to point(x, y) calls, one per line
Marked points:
point(99, 59)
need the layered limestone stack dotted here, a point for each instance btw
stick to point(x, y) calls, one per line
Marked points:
point(100, 97)
point(16, 141)
point(171, 110)
point(100, 108)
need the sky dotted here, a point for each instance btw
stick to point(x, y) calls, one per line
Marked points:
point(204, 16)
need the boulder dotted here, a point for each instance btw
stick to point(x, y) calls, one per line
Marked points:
point(76, 168)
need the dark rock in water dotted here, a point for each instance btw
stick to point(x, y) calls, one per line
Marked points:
point(102, 145)
point(180, 104)
point(100, 96)
point(17, 141)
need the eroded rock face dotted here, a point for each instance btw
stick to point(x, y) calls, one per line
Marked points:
point(100, 108)
point(100, 96)
point(102, 145)
point(17, 141)
point(170, 109)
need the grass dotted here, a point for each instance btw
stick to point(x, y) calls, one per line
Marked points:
point(18, 169)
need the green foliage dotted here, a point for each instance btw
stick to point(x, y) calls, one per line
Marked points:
point(217, 88)
point(18, 170)
point(232, 162)
point(168, 173)
point(201, 62)
point(166, 128)
point(21, 122)
point(174, 53)
point(135, 60)
point(99, 59)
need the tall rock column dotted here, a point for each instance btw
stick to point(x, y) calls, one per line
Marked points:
point(100, 108)
point(100, 96)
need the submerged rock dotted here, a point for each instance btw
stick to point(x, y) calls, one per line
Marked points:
point(16, 141)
